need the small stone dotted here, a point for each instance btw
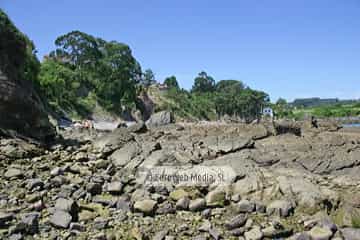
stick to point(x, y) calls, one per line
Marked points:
point(215, 233)
point(205, 226)
point(165, 208)
point(215, 198)
point(67, 205)
point(100, 223)
point(236, 222)
point(183, 203)
point(122, 204)
point(245, 206)
point(5, 217)
point(237, 232)
point(300, 236)
point(16, 236)
point(115, 187)
point(320, 233)
point(56, 171)
point(254, 234)
point(31, 222)
point(145, 206)
point(197, 205)
point(60, 219)
point(78, 227)
point(35, 183)
point(282, 208)
point(161, 235)
point(13, 173)
point(350, 233)
point(178, 194)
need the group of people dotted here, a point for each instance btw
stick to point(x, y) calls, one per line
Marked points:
point(85, 124)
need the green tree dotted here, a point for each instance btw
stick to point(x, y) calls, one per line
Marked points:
point(148, 78)
point(171, 82)
point(203, 83)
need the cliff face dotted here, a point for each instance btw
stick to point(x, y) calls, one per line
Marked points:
point(21, 110)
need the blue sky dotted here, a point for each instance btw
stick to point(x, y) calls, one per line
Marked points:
point(286, 48)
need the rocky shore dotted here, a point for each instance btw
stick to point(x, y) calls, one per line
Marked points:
point(288, 180)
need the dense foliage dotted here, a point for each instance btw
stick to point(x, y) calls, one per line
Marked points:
point(208, 100)
point(17, 52)
point(84, 67)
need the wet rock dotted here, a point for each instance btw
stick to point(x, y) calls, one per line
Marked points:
point(236, 222)
point(197, 204)
point(320, 233)
point(145, 206)
point(282, 208)
point(60, 219)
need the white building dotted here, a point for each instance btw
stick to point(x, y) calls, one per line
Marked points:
point(268, 112)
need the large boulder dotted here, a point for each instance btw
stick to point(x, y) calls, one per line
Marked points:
point(160, 119)
point(21, 109)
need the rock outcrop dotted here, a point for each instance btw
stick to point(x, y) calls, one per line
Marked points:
point(21, 110)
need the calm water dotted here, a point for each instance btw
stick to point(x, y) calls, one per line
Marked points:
point(352, 125)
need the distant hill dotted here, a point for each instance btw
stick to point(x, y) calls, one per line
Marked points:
point(316, 102)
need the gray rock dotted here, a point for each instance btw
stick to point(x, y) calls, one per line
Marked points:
point(125, 154)
point(115, 187)
point(160, 119)
point(215, 233)
point(5, 217)
point(160, 235)
point(350, 233)
point(94, 188)
point(78, 227)
point(197, 205)
point(320, 233)
point(254, 234)
point(237, 232)
point(13, 173)
point(165, 208)
point(35, 183)
point(215, 198)
point(123, 204)
point(30, 222)
point(146, 206)
point(183, 203)
point(282, 208)
point(245, 206)
point(67, 205)
point(60, 219)
point(300, 236)
point(100, 223)
point(236, 222)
